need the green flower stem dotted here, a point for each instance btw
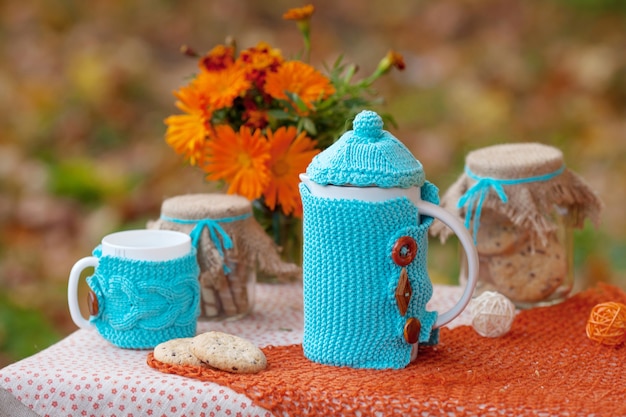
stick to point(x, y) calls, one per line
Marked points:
point(305, 30)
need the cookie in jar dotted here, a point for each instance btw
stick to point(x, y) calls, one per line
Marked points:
point(521, 205)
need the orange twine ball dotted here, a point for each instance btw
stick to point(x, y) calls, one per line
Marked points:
point(607, 323)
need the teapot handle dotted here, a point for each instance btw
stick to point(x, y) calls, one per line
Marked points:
point(433, 210)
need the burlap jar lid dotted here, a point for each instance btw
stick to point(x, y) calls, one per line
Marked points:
point(516, 160)
point(523, 182)
point(200, 206)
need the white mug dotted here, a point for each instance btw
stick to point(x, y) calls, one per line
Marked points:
point(373, 194)
point(146, 244)
point(145, 262)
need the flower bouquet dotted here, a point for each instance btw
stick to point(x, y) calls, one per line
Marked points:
point(253, 120)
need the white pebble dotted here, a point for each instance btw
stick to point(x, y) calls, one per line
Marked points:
point(493, 314)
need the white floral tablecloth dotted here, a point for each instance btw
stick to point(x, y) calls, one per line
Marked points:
point(84, 375)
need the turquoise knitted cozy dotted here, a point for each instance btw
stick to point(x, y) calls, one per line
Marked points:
point(367, 156)
point(144, 303)
point(351, 317)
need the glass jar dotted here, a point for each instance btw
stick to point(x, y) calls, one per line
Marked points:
point(229, 294)
point(528, 268)
point(222, 228)
point(522, 203)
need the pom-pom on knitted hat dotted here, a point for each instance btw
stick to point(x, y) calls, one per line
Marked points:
point(367, 156)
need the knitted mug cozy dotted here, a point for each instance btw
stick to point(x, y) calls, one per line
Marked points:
point(144, 303)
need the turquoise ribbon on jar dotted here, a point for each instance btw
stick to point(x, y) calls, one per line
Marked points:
point(478, 192)
point(218, 235)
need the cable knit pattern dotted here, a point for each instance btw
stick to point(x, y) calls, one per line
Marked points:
point(144, 303)
point(367, 156)
point(351, 317)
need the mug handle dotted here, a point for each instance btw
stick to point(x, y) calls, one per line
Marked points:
point(72, 290)
point(433, 210)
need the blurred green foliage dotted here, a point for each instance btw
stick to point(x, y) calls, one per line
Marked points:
point(77, 179)
point(597, 6)
point(23, 332)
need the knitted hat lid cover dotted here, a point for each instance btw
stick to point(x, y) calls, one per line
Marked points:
point(367, 156)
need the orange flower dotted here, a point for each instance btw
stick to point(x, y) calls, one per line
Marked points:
point(258, 61)
point(290, 154)
point(218, 58)
point(192, 100)
point(221, 88)
point(240, 159)
point(256, 119)
point(186, 133)
point(302, 16)
point(301, 79)
point(393, 59)
point(299, 13)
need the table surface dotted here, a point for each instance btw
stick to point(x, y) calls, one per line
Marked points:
point(83, 374)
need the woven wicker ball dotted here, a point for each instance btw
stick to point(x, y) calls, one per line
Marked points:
point(493, 314)
point(607, 323)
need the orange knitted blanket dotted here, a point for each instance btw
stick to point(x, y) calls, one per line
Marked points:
point(544, 365)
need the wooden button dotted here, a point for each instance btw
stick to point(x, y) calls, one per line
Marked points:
point(412, 329)
point(404, 251)
point(403, 292)
point(92, 303)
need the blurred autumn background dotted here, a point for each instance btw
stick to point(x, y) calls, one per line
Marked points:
point(85, 86)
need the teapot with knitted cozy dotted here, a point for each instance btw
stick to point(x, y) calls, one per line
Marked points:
point(367, 208)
